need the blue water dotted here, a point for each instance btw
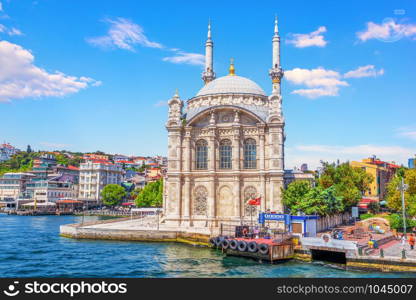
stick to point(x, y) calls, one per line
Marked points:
point(31, 247)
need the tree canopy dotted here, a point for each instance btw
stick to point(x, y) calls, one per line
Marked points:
point(338, 188)
point(394, 200)
point(112, 194)
point(20, 162)
point(349, 182)
point(62, 159)
point(301, 197)
point(151, 195)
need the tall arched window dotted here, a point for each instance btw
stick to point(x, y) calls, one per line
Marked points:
point(250, 154)
point(225, 154)
point(201, 155)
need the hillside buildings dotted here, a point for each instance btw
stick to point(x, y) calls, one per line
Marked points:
point(49, 182)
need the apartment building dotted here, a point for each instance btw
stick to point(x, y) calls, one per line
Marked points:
point(94, 175)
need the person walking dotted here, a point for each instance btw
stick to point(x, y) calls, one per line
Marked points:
point(412, 241)
point(403, 239)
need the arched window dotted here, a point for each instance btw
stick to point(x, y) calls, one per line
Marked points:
point(250, 153)
point(201, 155)
point(200, 201)
point(225, 154)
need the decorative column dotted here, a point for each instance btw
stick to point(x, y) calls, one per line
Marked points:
point(237, 197)
point(212, 206)
point(186, 216)
point(187, 151)
point(236, 143)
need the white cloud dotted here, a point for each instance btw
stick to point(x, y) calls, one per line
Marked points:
point(315, 38)
point(320, 82)
point(407, 132)
point(10, 31)
point(313, 154)
point(364, 71)
point(388, 31)
point(20, 78)
point(123, 34)
point(186, 58)
point(15, 31)
point(54, 146)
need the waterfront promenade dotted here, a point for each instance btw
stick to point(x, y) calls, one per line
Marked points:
point(147, 229)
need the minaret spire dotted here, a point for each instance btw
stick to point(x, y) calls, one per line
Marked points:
point(276, 72)
point(276, 28)
point(208, 74)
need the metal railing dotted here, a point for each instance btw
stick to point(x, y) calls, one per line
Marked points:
point(253, 232)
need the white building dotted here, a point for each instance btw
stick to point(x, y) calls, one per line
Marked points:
point(225, 148)
point(44, 191)
point(120, 157)
point(7, 151)
point(13, 184)
point(94, 176)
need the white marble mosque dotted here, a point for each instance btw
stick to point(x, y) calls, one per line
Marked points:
point(226, 146)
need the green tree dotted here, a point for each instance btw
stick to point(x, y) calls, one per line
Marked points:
point(29, 149)
point(301, 197)
point(112, 194)
point(135, 193)
point(151, 195)
point(20, 162)
point(394, 200)
point(396, 222)
point(349, 182)
point(294, 194)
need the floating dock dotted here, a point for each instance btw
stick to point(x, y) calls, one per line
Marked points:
point(261, 249)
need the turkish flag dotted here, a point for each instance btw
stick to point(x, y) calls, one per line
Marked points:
point(255, 201)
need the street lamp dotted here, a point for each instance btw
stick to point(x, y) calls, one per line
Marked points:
point(402, 188)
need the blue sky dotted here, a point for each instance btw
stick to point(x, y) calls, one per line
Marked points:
point(96, 75)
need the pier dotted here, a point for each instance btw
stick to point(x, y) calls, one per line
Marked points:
point(147, 229)
point(141, 229)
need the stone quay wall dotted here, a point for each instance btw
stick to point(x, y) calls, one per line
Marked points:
point(148, 235)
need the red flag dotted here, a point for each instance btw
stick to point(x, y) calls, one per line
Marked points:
point(255, 201)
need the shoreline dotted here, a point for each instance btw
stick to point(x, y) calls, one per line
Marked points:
point(100, 231)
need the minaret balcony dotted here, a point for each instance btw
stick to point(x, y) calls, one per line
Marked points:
point(276, 74)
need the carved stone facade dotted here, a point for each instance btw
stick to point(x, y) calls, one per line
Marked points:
point(219, 159)
point(224, 149)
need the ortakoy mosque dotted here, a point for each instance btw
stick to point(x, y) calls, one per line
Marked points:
point(225, 147)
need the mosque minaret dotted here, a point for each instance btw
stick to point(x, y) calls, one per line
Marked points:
point(225, 146)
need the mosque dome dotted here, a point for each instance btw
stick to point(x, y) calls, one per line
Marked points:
point(231, 84)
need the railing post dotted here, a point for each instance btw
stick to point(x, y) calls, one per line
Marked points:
point(403, 254)
point(381, 253)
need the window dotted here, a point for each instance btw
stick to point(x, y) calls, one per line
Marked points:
point(250, 154)
point(201, 155)
point(225, 154)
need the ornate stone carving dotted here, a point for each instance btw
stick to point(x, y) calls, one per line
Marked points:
point(250, 192)
point(200, 201)
point(228, 100)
